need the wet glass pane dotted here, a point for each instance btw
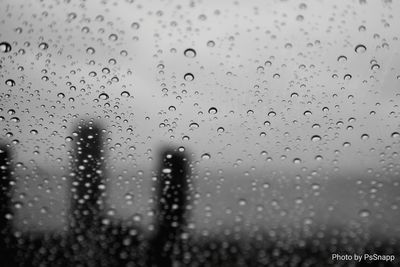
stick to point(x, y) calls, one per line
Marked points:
point(199, 133)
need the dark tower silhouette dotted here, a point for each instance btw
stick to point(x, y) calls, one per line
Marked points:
point(87, 195)
point(7, 246)
point(172, 199)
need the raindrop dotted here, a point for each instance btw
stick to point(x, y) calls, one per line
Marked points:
point(212, 110)
point(360, 49)
point(103, 96)
point(188, 77)
point(193, 125)
point(346, 144)
point(113, 37)
point(190, 53)
point(205, 156)
point(90, 50)
point(315, 138)
point(364, 213)
point(5, 47)
point(125, 94)
point(166, 170)
point(135, 25)
point(364, 137)
point(43, 46)
point(342, 59)
point(210, 43)
point(395, 135)
point(347, 77)
point(296, 161)
point(375, 67)
point(10, 82)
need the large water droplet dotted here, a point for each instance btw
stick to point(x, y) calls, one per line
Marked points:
point(43, 46)
point(10, 82)
point(190, 53)
point(5, 47)
point(315, 138)
point(360, 49)
point(103, 96)
point(188, 77)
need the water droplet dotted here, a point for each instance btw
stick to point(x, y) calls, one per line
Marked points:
point(190, 53)
point(364, 213)
point(166, 170)
point(210, 43)
point(395, 135)
point(113, 37)
point(103, 96)
point(10, 82)
point(43, 46)
point(347, 77)
point(315, 138)
point(205, 156)
point(188, 77)
point(296, 161)
point(346, 144)
point(193, 125)
point(212, 110)
point(342, 59)
point(5, 47)
point(360, 49)
point(375, 67)
point(242, 202)
point(135, 25)
point(90, 50)
point(364, 137)
point(125, 94)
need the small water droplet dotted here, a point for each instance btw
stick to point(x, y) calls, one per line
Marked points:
point(364, 213)
point(210, 43)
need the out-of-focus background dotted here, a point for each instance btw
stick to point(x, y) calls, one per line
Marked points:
point(289, 109)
